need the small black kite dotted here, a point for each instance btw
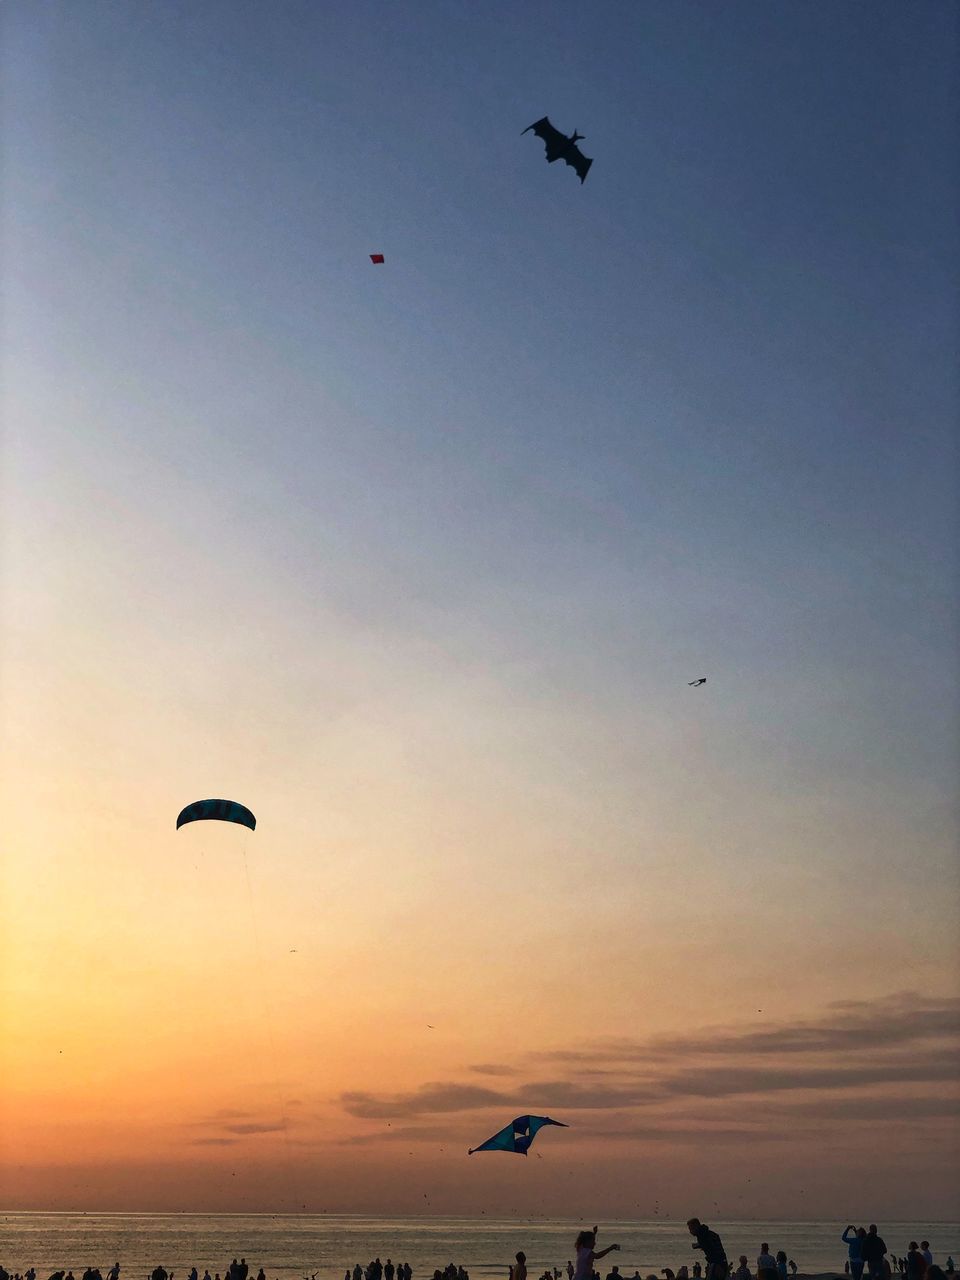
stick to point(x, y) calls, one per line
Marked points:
point(560, 147)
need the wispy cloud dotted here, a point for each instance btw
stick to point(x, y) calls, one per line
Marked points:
point(494, 1069)
point(855, 1046)
point(255, 1127)
point(429, 1099)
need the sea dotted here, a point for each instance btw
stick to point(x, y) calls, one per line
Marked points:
point(297, 1247)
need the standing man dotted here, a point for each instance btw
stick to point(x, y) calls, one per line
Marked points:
point(714, 1253)
point(872, 1251)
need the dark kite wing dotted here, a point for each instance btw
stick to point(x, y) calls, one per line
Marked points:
point(578, 161)
point(217, 810)
point(556, 142)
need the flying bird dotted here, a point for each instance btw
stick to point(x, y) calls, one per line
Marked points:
point(696, 683)
point(560, 147)
point(517, 1135)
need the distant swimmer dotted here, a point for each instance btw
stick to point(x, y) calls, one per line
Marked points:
point(695, 684)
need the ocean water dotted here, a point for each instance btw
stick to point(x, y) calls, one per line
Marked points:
point(296, 1246)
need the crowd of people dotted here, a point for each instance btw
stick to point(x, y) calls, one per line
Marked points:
point(866, 1252)
point(377, 1270)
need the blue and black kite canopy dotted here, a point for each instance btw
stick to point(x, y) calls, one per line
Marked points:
point(517, 1136)
point(218, 810)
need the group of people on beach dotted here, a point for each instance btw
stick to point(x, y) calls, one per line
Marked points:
point(377, 1270)
point(867, 1250)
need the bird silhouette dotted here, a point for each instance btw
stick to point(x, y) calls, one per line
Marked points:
point(696, 683)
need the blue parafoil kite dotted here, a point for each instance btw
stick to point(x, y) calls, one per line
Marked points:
point(517, 1136)
point(219, 810)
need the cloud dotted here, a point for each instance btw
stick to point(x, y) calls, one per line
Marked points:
point(494, 1069)
point(256, 1127)
point(406, 1133)
point(890, 1108)
point(900, 1039)
point(212, 1142)
point(860, 1025)
point(429, 1099)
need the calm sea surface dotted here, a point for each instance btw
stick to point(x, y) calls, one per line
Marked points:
point(289, 1248)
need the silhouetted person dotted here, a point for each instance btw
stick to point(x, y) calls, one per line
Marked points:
point(714, 1254)
point(766, 1263)
point(569, 1270)
point(587, 1254)
point(613, 1273)
point(951, 1265)
point(388, 1270)
point(697, 1271)
point(916, 1262)
point(358, 1272)
point(872, 1249)
point(925, 1250)
point(793, 1267)
point(743, 1271)
point(781, 1264)
point(853, 1239)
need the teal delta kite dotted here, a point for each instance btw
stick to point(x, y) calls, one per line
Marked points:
point(517, 1136)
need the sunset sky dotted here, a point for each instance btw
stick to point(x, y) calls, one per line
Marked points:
point(416, 560)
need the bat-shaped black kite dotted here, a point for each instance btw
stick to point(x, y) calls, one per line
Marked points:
point(560, 147)
point(695, 683)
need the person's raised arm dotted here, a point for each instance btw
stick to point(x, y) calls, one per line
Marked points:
point(611, 1248)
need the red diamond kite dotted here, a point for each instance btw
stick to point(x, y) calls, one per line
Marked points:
point(376, 258)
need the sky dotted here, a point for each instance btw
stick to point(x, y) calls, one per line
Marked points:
point(417, 561)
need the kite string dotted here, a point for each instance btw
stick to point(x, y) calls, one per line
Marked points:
point(267, 1017)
